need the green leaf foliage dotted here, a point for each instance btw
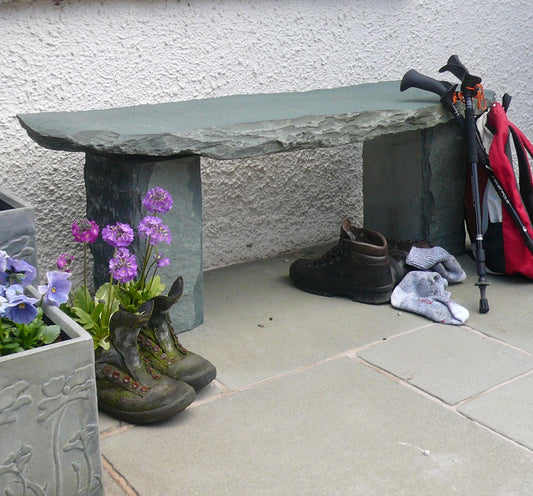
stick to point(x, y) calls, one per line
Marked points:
point(19, 337)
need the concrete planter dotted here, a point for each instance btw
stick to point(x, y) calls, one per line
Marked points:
point(17, 228)
point(48, 417)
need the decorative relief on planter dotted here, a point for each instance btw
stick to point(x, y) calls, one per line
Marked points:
point(17, 228)
point(49, 439)
point(67, 460)
point(19, 248)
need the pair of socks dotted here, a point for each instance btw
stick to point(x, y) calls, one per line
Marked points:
point(424, 291)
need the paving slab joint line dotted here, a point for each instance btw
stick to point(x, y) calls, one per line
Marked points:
point(451, 408)
point(391, 338)
point(226, 392)
point(493, 388)
point(496, 340)
point(118, 478)
point(116, 430)
point(496, 433)
point(403, 382)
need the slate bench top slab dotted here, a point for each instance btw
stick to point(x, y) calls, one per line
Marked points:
point(242, 125)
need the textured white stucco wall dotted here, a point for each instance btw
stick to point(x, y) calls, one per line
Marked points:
point(85, 54)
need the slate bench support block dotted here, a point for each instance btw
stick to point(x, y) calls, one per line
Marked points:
point(115, 188)
point(414, 183)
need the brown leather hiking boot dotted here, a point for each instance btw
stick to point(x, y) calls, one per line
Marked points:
point(358, 267)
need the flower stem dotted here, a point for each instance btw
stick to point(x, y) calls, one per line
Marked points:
point(109, 296)
point(85, 288)
point(144, 272)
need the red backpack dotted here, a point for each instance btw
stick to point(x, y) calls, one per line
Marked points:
point(507, 204)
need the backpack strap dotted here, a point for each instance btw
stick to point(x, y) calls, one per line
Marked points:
point(502, 166)
point(525, 181)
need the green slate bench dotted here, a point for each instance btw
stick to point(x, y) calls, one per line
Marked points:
point(413, 169)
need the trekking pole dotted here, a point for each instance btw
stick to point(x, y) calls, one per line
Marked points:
point(447, 93)
point(470, 87)
point(446, 90)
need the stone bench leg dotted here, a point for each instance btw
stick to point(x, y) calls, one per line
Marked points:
point(413, 186)
point(115, 187)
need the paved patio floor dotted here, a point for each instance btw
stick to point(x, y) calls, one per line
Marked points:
point(324, 396)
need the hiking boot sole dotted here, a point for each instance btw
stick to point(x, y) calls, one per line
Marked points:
point(152, 415)
point(373, 296)
point(201, 380)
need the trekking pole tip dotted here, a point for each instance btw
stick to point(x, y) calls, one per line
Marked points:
point(483, 305)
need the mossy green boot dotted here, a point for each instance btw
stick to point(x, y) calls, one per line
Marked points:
point(161, 348)
point(127, 388)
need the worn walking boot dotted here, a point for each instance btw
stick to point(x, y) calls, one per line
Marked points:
point(357, 267)
point(162, 350)
point(128, 389)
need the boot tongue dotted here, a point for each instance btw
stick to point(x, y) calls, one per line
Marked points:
point(347, 231)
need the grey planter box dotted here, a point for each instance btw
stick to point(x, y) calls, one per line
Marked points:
point(49, 419)
point(17, 228)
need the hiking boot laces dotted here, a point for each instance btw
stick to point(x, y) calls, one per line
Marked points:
point(333, 254)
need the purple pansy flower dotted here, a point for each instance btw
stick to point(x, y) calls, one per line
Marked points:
point(120, 235)
point(85, 231)
point(57, 289)
point(13, 291)
point(3, 260)
point(18, 272)
point(123, 266)
point(19, 307)
point(3, 304)
point(157, 200)
point(26, 272)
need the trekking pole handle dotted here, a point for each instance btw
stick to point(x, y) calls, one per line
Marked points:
point(458, 69)
point(471, 131)
point(446, 91)
point(413, 79)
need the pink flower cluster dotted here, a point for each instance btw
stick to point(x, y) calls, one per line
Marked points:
point(123, 265)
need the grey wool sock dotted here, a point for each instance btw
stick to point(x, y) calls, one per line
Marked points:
point(438, 260)
point(425, 293)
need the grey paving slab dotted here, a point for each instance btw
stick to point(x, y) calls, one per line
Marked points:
point(507, 410)
point(510, 317)
point(111, 487)
point(339, 428)
point(254, 317)
point(106, 422)
point(449, 362)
